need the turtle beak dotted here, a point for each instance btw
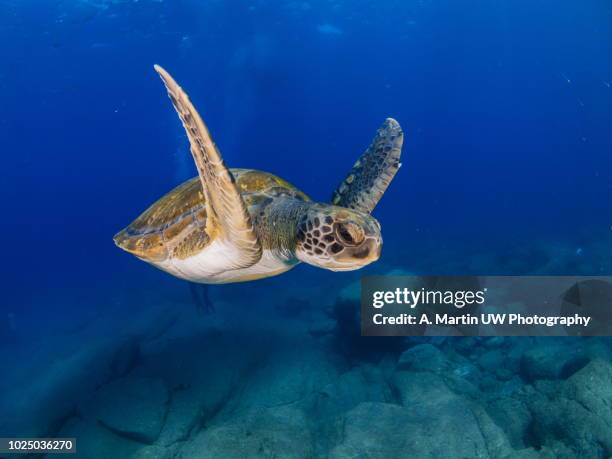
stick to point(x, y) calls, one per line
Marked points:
point(358, 257)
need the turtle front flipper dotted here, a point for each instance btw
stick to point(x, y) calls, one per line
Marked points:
point(228, 219)
point(371, 174)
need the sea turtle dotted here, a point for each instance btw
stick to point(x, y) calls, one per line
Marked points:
point(233, 225)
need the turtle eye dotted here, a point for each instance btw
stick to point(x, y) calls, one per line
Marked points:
point(349, 233)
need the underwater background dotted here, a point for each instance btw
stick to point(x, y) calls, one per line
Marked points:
point(506, 108)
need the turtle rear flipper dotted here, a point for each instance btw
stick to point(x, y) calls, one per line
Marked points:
point(228, 219)
point(371, 174)
point(201, 298)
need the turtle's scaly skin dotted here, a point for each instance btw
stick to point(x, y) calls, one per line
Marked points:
point(175, 225)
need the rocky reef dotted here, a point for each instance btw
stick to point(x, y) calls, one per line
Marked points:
point(300, 382)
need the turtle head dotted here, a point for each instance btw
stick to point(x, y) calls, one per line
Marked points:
point(338, 238)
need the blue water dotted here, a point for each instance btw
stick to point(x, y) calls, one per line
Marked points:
point(506, 108)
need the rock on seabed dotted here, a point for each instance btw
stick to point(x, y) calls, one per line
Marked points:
point(131, 407)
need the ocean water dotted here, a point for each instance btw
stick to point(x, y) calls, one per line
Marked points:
point(506, 108)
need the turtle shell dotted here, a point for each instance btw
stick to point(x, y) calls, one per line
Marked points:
point(175, 226)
